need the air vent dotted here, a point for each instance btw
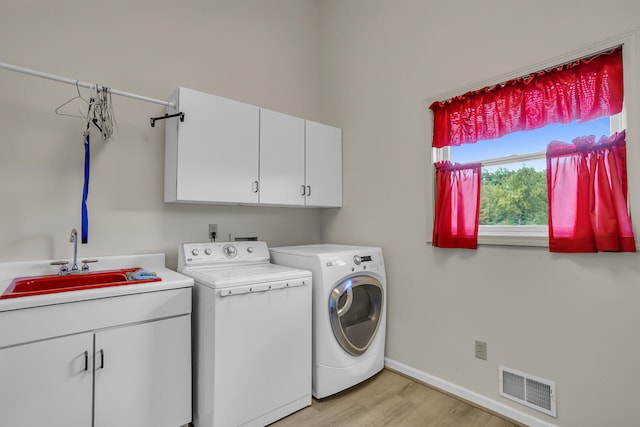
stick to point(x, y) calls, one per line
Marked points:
point(534, 392)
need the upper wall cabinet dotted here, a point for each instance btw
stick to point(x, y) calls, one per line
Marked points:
point(300, 162)
point(323, 165)
point(281, 159)
point(230, 152)
point(213, 155)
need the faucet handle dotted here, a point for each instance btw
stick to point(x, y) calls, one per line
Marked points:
point(86, 262)
point(64, 266)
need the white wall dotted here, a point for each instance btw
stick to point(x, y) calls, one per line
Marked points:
point(367, 66)
point(569, 318)
point(263, 53)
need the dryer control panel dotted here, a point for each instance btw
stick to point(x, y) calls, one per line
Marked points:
point(360, 261)
point(370, 261)
point(211, 254)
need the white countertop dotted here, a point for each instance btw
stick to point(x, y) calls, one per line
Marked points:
point(152, 262)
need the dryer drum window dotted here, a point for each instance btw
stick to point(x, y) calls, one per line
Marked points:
point(355, 309)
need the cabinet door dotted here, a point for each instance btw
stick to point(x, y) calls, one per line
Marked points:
point(217, 149)
point(143, 374)
point(323, 161)
point(281, 159)
point(47, 383)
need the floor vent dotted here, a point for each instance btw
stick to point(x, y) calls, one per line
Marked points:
point(534, 392)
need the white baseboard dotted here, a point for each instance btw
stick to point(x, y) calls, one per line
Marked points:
point(468, 395)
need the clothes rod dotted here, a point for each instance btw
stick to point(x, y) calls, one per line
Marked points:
point(79, 83)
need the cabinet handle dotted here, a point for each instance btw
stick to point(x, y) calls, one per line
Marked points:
point(86, 360)
point(308, 190)
point(254, 186)
point(302, 192)
point(101, 359)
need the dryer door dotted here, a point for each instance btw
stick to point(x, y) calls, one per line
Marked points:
point(355, 310)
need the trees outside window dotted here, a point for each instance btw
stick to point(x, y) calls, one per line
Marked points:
point(513, 197)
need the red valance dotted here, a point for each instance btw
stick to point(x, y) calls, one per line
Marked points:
point(582, 90)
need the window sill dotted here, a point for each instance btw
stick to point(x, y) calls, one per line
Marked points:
point(506, 239)
point(500, 239)
point(510, 235)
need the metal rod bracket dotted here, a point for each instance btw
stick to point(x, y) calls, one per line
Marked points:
point(166, 116)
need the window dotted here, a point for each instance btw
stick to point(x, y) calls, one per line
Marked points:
point(513, 193)
point(513, 199)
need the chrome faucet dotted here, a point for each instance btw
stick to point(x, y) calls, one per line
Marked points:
point(64, 265)
point(74, 240)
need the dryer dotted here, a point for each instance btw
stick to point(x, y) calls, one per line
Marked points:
point(349, 311)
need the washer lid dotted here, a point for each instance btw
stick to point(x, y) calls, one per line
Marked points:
point(223, 277)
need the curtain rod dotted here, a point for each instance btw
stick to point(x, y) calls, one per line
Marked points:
point(79, 83)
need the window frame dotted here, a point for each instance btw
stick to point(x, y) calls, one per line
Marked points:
point(537, 236)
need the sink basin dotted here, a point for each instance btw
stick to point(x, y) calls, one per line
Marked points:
point(40, 285)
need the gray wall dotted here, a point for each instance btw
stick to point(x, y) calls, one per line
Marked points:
point(263, 53)
point(568, 318)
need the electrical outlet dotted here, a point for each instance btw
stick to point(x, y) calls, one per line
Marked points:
point(481, 350)
point(213, 232)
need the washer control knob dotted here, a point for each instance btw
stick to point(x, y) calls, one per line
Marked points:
point(357, 260)
point(195, 252)
point(207, 251)
point(229, 251)
point(250, 249)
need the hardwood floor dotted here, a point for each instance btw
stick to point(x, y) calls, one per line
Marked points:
point(391, 399)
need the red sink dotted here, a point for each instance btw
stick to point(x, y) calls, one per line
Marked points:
point(40, 285)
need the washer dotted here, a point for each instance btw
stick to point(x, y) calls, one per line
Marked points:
point(349, 311)
point(252, 334)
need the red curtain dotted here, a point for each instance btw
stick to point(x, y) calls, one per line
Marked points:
point(457, 205)
point(583, 90)
point(587, 183)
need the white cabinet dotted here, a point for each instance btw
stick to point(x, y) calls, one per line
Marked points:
point(300, 161)
point(142, 374)
point(282, 174)
point(323, 165)
point(123, 361)
point(229, 152)
point(47, 383)
point(213, 155)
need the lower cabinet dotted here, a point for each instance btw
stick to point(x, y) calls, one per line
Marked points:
point(136, 375)
point(48, 383)
point(142, 375)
